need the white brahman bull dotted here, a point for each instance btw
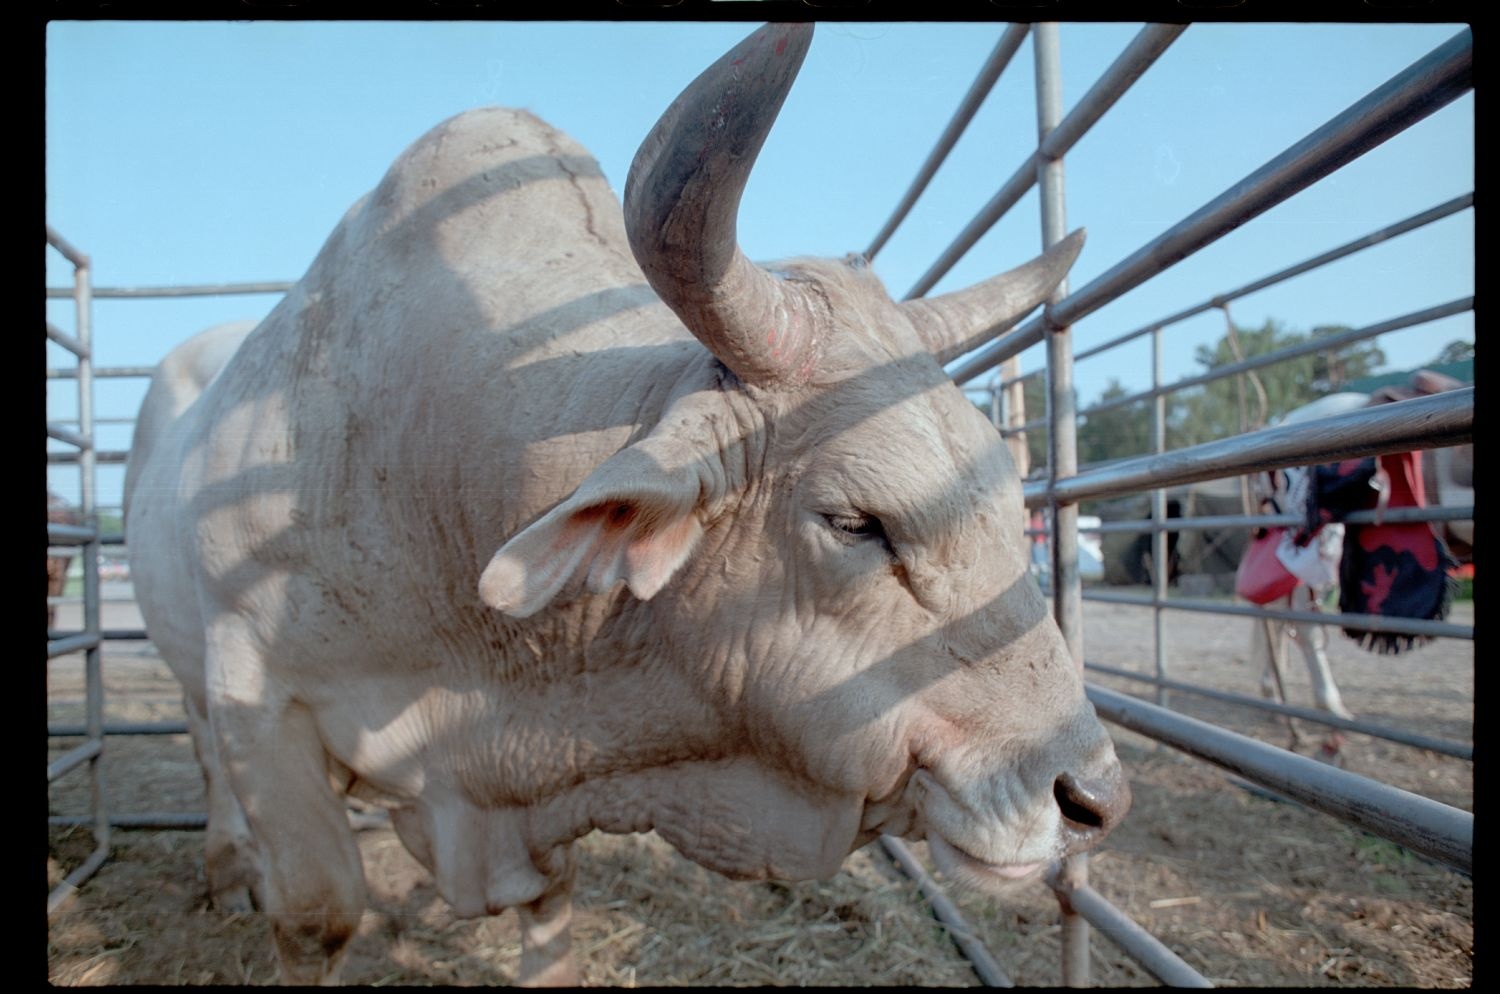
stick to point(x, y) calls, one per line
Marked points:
point(523, 517)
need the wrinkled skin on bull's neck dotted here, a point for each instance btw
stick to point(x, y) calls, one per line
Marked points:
point(473, 521)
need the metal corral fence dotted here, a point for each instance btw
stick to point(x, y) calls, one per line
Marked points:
point(1436, 830)
point(86, 535)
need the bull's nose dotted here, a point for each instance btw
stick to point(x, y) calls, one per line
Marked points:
point(1091, 806)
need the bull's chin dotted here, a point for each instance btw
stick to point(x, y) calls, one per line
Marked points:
point(969, 871)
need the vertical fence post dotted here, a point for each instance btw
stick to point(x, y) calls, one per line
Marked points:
point(92, 621)
point(1062, 438)
point(1015, 412)
point(1161, 563)
point(1062, 443)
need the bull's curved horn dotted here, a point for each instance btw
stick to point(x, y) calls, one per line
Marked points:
point(955, 323)
point(682, 197)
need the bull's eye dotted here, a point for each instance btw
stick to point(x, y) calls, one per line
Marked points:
point(859, 526)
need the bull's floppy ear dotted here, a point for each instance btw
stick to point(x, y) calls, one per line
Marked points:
point(622, 523)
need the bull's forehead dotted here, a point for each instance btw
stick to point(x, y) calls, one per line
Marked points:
point(863, 329)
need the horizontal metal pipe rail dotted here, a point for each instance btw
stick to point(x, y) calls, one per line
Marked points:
point(1458, 750)
point(71, 534)
point(97, 421)
point(121, 728)
point(203, 290)
point(73, 758)
point(64, 891)
point(102, 457)
point(1145, 948)
point(77, 599)
point(67, 341)
point(1434, 421)
point(79, 534)
point(985, 965)
point(1035, 424)
point(159, 821)
point(73, 255)
point(1421, 824)
point(1310, 347)
point(69, 437)
point(1332, 255)
point(1358, 622)
point(1218, 373)
point(71, 643)
point(1001, 383)
point(1420, 90)
point(1121, 74)
point(105, 372)
point(1394, 515)
point(106, 635)
point(989, 73)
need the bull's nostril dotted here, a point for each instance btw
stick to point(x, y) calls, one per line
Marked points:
point(1074, 802)
point(1092, 805)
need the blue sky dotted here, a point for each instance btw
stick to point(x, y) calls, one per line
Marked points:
point(206, 152)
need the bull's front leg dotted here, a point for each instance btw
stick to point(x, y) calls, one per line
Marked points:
point(313, 882)
point(546, 928)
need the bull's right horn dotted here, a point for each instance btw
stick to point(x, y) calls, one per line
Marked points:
point(682, 198)
point(955, 323)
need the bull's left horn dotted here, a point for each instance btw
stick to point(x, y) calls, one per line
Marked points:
point(682, 198)
point(955, 323)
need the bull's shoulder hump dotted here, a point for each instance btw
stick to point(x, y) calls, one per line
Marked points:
point(495, 188)
point(485, 152)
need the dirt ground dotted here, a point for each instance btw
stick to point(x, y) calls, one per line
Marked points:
point(1250, 891)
